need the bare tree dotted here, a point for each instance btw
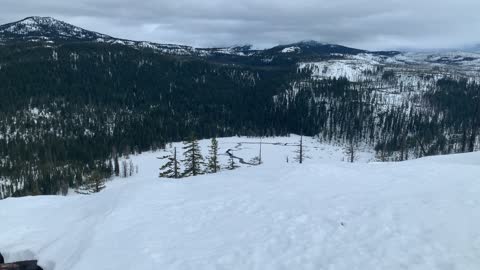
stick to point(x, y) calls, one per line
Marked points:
point(300, 152)
point(260, 152)
point(131, 168)
point(351, 151)
point(124, 169)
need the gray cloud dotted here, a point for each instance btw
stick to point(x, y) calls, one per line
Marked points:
point(369, 24)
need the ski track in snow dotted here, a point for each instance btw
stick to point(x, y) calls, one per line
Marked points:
point(324, 214)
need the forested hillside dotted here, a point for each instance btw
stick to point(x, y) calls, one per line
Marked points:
point(70, 107)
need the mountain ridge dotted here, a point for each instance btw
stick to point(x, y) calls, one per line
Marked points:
point(51, 30)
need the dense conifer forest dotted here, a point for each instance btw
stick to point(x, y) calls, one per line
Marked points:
point(68, 111)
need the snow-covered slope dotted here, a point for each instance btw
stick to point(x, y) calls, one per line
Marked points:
point(324, 214)
point(397, 79)
point(355, 68)
point(364, 66)
point(50, 31)
point(45, 29)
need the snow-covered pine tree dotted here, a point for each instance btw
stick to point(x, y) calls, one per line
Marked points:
point(171, 169)
point(213, 163)
point(193, 161)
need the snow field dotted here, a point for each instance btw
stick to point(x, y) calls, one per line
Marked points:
point(324, 214)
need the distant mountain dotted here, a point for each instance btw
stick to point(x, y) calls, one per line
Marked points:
point(46, 29)
point(314, 47)
point(49, 31)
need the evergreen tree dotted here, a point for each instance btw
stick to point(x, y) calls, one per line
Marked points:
point(193, 161)
point(213, 163)
point(171, 169)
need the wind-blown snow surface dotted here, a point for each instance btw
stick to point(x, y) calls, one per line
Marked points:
point(324, 214)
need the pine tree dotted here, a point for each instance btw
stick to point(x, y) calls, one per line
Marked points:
point(171, 169)
point(213, 164)
point(193, 157)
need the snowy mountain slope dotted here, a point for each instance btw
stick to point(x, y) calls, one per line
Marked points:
point(362, 66)
point(45, 29)
point(398, 79)
point(324, 214)
point(49, 30)
point(310, 47)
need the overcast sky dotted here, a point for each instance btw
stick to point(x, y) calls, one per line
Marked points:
point(366, 24)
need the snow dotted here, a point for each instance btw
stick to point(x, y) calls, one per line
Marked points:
point(324, 214)
point(352, 69)
point(291, 49)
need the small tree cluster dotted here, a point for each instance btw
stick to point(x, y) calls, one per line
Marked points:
point(193, 162)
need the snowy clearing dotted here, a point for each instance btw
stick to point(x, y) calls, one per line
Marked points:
point(324, 214)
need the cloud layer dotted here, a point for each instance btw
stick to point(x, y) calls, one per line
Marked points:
point(368, 24)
